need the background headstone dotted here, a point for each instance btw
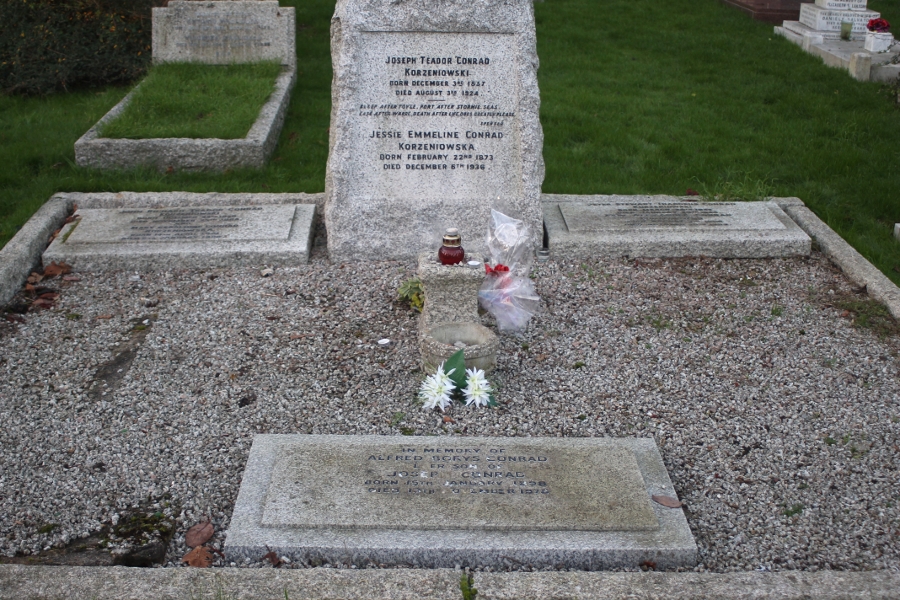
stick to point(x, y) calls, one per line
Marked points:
point(434, 122)
point(224, 32)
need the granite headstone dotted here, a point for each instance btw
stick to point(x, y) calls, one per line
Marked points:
point(434, 122)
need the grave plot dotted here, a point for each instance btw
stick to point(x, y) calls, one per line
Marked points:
point(768, 386)
point(209, 33)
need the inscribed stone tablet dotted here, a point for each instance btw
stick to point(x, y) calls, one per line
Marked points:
point(187, 224)
point(586, 217)
point(224, 32)
point(434, 122)
point(505, 485)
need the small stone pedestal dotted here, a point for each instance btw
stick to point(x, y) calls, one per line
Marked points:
point(451, 299)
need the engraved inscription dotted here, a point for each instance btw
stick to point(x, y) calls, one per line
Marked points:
point(588, 217)
point(508, 485)
point(218, 32)
point(437, 111)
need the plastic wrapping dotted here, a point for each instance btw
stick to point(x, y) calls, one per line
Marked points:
point(507, 292)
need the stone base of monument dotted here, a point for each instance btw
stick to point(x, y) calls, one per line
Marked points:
point(669, 227)
point(160, 231)
point(582, 503)
point(188, 154)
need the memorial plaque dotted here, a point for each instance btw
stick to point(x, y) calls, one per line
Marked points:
point(619, 226)
point(434, 122)
point(199, 236)
point(823, 19)
point(224, 32)
point(502, 485)
point(440, 501)
point(588, 216)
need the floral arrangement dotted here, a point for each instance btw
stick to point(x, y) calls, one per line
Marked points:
point(878, 26)
point(453, 381)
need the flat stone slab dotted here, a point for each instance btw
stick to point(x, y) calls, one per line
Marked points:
point(197, 236)
point(441, 502)
point(659, 227)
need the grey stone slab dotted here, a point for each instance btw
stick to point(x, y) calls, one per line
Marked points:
point(434, 122)
point(667, 226)
point(19, 582)
point(451, 292)
point(378, 485)
point(149, 236)
point(222, 33)
point(360, 527)
point(189, 154)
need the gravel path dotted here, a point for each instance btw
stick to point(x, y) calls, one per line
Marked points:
point(777, 418)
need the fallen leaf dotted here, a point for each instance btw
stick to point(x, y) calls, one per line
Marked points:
point(54, 269)
point(29, 287)
point(845, 313)
point(42, 303)
point(447, 419)
point(667, 501)
point(296, 336)
point(199, 534)
point(104, 316)
point(14, 318)
point(273, 558)
point(170, 170)
point(49, 296)
point(71, 278)
point(35, 278)
point(540, 357)
point(691, 192)
point(198, 557)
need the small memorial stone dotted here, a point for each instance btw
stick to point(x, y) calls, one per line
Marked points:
point(442, 502)
point(659, 228)
point(197, 236)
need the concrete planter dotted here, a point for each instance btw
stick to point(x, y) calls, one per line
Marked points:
point(188, 154)
point(437, 345)
point(878, 42)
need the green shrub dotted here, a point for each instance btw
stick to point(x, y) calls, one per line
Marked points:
point(52, 45)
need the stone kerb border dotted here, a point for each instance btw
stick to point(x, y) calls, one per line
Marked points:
point(189, 154)
point(116, 583)
point(172, 41)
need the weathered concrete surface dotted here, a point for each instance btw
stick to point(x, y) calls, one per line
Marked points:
point(122, 583)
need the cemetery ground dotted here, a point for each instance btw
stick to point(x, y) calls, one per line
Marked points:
point(770, 386)
point(639, 97)
point(130, 400)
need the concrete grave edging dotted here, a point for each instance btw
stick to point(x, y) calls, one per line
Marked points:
point(123, 583)
point(190, 154)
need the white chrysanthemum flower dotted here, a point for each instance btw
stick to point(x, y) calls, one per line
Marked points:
point(436, 389)
point(478, 390)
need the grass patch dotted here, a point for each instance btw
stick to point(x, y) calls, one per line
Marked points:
point(868, 314)
point(193, 100)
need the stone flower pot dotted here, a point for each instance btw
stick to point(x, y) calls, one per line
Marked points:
point(441, 341)
point(878, 42)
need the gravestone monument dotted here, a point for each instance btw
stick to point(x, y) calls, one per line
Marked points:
point(434, 122)
point(586, 503)
point(822, 20)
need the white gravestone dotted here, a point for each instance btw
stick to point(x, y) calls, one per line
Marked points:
point(434, 122)
point(224, 32)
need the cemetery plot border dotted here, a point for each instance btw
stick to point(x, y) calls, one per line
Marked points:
point(254, 531)
point(253, 151)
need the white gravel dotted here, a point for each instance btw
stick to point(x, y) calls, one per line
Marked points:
point(763, 398)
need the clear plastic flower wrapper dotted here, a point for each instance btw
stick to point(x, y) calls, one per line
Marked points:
point(507, 292)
